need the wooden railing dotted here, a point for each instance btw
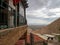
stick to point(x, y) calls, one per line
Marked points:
point(11, 36)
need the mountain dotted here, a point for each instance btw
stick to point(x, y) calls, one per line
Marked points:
point(35, 27)
point(54, 27)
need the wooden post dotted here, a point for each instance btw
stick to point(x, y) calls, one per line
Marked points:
point(31, 39)
point(26, 38)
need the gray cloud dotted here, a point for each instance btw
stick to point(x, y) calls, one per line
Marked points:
point(54, 4)
point(35, 5)
point(50, 14)
point(41, 18)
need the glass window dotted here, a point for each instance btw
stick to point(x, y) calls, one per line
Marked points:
point(6, 15)
point(3, 15)
point(21, 15)
point(21, 10)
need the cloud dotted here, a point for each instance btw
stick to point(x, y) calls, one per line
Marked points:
point(37, 22)
point(37, 4)
point(43, 11)
point(54, 3)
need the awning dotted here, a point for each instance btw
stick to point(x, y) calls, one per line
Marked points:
point(15, 2)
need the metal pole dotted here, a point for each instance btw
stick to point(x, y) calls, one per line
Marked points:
point(25, 15)
point(16, 17)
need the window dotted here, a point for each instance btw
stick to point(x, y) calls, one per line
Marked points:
point(21, 14)
point(3, 14)
point(21, 10)
point(6, 15)
point(9, 17)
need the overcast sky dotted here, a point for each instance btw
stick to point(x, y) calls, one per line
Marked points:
point(42, 12)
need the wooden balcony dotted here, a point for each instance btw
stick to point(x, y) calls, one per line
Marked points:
point(12, 35)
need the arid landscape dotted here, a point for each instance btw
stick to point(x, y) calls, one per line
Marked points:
point(51, 30)
point(54, 27)
point(35, 27)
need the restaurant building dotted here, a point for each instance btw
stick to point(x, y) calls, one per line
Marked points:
point(13, 23)
point(12, 13)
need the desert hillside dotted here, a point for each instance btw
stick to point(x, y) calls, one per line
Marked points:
point(54, 27)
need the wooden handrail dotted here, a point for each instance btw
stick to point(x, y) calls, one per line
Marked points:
point(2, 30)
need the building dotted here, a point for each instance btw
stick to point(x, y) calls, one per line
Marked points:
point(13, 21)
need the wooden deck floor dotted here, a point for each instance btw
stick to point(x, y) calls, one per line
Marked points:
point(11, 36)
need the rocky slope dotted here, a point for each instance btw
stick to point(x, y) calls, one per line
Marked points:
point(54, 27)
